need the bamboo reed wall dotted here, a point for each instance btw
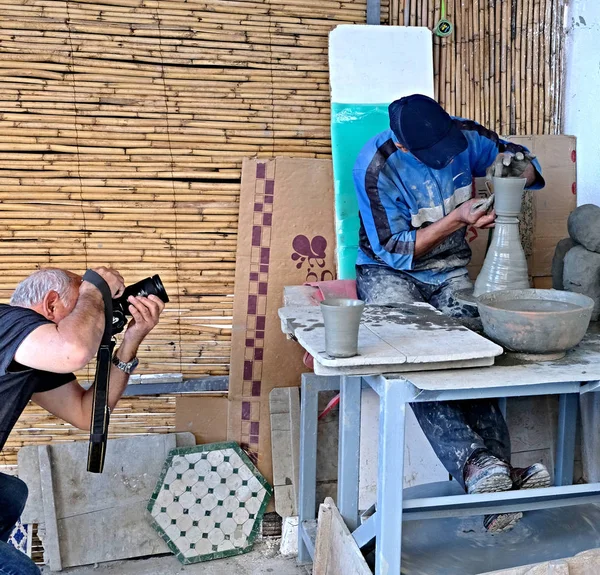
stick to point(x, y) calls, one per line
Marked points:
point(123, 124)
point(503, 66)
point(122, 130)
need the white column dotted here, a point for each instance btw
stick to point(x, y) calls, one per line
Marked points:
point(582, 94)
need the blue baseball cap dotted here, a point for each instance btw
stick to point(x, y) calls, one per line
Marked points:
point(426, 130)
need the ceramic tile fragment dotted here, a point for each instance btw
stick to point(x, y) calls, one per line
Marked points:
point(209, 502)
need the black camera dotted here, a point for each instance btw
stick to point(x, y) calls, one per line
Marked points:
point(145, 287)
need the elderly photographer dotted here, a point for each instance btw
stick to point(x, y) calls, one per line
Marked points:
point(52, 327)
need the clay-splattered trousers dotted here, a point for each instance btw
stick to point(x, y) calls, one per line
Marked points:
point(456, 429)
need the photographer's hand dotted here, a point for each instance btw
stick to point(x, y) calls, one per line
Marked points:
point(113, 278)
point(145, 312)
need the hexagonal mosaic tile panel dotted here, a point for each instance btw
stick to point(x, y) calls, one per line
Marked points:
point(209, 502)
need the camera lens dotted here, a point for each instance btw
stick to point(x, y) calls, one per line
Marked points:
point(148, 286)
point(159, 289)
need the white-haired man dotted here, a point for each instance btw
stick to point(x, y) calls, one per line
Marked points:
point(53, 327)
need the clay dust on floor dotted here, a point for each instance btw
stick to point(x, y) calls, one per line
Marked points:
point(264, 559)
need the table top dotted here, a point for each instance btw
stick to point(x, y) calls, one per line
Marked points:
point(581, 364)
point(405, 337)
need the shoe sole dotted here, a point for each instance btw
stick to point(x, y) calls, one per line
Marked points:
point(493, 484)
point(538, 480)
point(503, 522)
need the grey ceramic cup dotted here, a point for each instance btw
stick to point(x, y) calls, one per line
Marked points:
point(508, 195)
point(342, 319)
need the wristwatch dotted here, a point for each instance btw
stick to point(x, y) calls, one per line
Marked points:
point(125, 367)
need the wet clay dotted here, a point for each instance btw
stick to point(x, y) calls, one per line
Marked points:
point(558, 262)
point(342, 319)
point(584, 228)
point(581, 273)
point(417, 316)
point(508, 195)
point(505, 265)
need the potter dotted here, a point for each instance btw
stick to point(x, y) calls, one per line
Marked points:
point(414, 184)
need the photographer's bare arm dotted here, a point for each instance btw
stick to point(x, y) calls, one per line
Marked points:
point(71, 402)
point(73, 338)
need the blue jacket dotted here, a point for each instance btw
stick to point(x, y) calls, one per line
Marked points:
point(397, 195)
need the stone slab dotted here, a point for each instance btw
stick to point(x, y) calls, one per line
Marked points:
point(582, 363)
point(285, 443)
point(119, 532)
point(390, 336)
point(289, 537)
point(586, 563)
point(75, 507)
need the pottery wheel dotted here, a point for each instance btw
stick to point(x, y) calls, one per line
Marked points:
point(535, 357)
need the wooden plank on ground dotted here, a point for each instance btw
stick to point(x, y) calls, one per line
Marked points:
point(336, 552)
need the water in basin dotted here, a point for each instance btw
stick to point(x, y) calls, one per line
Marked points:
point(535, 305)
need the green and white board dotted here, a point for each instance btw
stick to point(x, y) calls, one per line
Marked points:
point(369, 67)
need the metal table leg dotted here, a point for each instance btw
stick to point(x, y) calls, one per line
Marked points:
point(392, 413)
point(349, 450)
point(309, 407)
point(565, 449)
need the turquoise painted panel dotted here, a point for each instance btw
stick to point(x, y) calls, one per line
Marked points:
point(352, 125)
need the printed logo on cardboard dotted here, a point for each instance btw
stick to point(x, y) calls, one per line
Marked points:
point(314, 254)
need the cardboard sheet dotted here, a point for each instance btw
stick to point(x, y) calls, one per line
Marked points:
point(203, 415)
point(286, 237)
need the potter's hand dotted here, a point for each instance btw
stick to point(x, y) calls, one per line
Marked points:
point(475, 213)
point(508, 165)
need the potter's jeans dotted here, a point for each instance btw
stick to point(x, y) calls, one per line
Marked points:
point(13, 495)
point(456, 429)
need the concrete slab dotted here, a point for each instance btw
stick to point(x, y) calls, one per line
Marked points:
point(74, 507)
point(285, 443)
point(391, 340)
point(262, 560)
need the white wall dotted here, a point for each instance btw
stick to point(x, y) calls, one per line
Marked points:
point(582, 94)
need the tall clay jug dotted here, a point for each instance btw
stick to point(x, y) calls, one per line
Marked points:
point(505, 265)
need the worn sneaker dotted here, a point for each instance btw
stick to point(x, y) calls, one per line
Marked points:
point(533, 477)
point(485, 473)
point(500, 522)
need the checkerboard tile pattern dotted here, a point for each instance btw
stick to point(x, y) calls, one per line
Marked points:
point(260, 257)
point(209, 502)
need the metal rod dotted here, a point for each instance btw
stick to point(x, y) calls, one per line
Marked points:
point(374, 12)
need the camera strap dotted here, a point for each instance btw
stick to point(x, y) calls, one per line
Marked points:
point(100, 410)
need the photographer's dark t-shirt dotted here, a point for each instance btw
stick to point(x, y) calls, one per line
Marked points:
point(18, 383)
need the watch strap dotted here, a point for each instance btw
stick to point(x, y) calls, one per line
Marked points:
point(125, 366)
